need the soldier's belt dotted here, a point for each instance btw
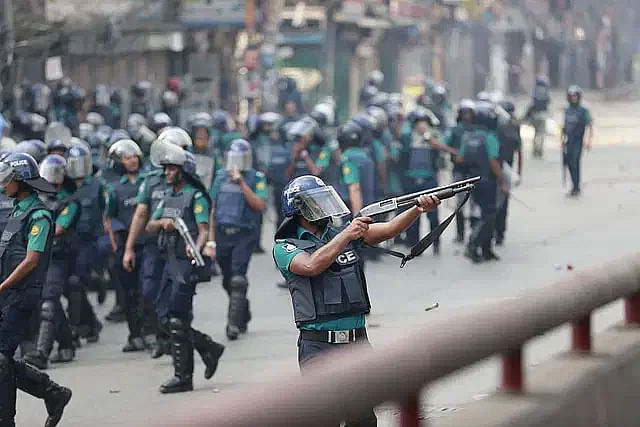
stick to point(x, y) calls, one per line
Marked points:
point(335, 337)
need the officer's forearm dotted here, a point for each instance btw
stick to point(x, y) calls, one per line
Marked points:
point(22, 270)
point(153, 226)
point(311, 165)
point(497, 170)
point(440, 146)
point(256, 203)
point(137, 225)
point(355, 195)
point(383, 231)
point(110, 233)
point(203, 235)
point(307, 265)
point(212, 224)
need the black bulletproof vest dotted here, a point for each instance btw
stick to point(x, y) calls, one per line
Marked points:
point(90, 218)
point(180, 205)
point(13, 248)
point(508, 137)
point(338, 292)
point(61, 245)
point(157, 188)
point(125, 194)
point(6, 207)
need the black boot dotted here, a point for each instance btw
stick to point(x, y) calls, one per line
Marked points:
point(473, 255)
point(209, 350)
point(116, 315)
point(94, 333)
point(247, 317)
point(237, 316)
point(134, 344)
point(489, 255)
point(37, 359)
point(7, 391)
point(182, 352)
point(38, 384)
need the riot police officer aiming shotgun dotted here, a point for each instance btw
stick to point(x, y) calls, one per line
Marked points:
point(322, 267)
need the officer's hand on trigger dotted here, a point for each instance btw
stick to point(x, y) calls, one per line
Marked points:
point(168, 225)
point(129, 260)
point(236, 176)
point(428, 203)
point(358, 228)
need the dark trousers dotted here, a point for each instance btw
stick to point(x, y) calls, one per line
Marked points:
point(80, 309)
point(460, 225)
point(234, 253)
point(130, 282)
point(151, 278)
point(16, 307)
point(312, 351)
point(52, 291)
point(413, 233)
point(501, 218)
point(484, 195)
point(574, 155)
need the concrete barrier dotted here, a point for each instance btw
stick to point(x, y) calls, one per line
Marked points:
point(600, 389)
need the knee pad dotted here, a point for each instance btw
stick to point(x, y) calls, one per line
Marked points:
point(178, 327)
point(48, 310)
point(239, 284)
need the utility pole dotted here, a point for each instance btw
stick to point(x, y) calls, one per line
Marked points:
point(8, 48)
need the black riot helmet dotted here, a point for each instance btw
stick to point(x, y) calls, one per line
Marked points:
point(439, 95)
point(350, 135)
point(574, 91)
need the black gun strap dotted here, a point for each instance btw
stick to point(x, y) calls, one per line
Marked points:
point(426, 241)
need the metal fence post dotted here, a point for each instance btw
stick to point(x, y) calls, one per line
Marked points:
point(409, 414)
point(512, 372)
point(632, 309)
point(581, 334)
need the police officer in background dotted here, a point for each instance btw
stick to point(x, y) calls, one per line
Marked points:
point(510, 145)
point(54, 324)
point(464, 124)
point(418, 147)
point(358, 170)
point(152, 264)
point(537, 113)
point(91, 197)
point(304, 153)
point(321, 266)
point(208, 158)
point(25, 249)
point(577, 123)
point(187, 200)
point(239, 195)
point(478, 156)
point(140, 98)
point(119, 210)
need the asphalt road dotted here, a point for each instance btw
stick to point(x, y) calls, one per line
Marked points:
point(547, 232)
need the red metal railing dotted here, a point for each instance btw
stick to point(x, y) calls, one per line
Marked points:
point(352, 383)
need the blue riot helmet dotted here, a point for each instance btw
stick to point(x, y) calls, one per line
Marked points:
point(101, 135)
point(367, 93)
point(176, 136)
point(574, 91)
point(365, 121)
point(160, 121)
point(79, 162)
point(189, 167)
point(542, 80)
point(350, 135)
point(117, 135)
point(22, 167)
point(396, 99)
point(380, 99)
point(34, 147)
point(376, 77)
point(239, 156)
point(310, 197)
point(301, 130)
point(85, 130)
point(57, 130)
point(221, 121)
point(53, 169)
point(269, 122)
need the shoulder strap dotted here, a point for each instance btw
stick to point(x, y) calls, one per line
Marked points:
point(301, 244)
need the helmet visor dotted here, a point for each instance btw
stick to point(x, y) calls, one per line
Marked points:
point(164, 153)
point(238, 160)
point(79, 167)
point(54, 174)
point(6, 174)
point(320, 203)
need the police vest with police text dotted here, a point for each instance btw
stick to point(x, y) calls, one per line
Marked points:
point(340, 291)
point(421, 154)
point(126, 198)
point(13, 247)
point(232, 209)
